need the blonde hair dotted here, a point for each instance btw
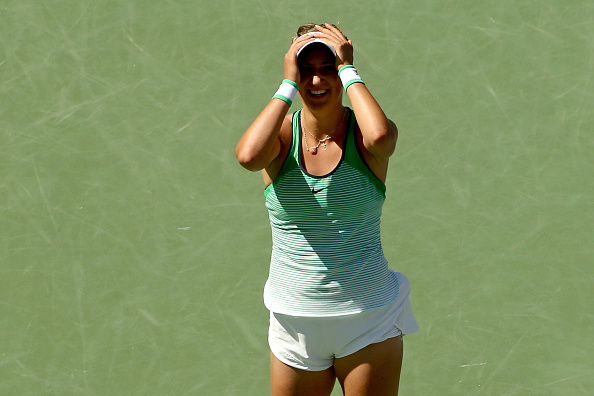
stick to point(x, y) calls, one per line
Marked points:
point(311, 27)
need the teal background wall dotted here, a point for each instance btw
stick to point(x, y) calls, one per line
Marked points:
point(134, 249)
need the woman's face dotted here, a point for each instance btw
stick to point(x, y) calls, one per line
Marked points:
point(319, 84)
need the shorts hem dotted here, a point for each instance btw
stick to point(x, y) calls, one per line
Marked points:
point(395, 332)
point(296, 365)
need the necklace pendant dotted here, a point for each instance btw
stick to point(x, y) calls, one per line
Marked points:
point(314, 150)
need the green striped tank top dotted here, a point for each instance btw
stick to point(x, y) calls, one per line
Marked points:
point(327, 257)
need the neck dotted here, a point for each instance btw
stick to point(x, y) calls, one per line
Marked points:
point(322, 124)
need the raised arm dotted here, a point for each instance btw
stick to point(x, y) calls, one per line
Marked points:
point(260, 144)
point(379, 132)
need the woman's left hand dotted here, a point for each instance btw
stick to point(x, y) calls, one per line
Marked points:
point(343, 47)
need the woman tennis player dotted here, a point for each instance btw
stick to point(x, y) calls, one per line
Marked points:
point(336, 310)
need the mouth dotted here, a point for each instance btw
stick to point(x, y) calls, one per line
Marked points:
point(318, 93)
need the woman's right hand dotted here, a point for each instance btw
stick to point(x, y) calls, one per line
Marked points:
point(291, 66)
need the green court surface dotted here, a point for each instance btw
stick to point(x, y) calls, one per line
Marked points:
point(134, 249)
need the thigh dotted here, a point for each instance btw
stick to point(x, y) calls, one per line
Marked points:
point(289, 381)
point(373, 370)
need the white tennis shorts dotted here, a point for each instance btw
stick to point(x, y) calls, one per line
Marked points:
point(312, 343)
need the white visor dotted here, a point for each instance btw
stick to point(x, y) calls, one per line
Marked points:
point(316, 41)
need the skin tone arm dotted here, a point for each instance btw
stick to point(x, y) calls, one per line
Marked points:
point(260, 144)
point(379, 133)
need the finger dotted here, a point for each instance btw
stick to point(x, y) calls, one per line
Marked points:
point(325, 32)
point(300, 42)
point(334, 35)
point(327, 37)
point(333, 30)
point(303, 37)
point(337, 42)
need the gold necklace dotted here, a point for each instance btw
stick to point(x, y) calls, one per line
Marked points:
point(314, 150)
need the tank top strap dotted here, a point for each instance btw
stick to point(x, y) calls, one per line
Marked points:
point(295, 142)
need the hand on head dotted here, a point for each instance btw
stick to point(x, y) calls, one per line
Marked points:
point(291, 66)
point(344, 48)
point(327, 33)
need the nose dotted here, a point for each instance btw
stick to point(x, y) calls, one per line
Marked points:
point(316, 80)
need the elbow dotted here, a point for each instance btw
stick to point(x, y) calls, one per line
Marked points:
point(380, 138)
point(387, 134)
point(248, 160)
point(255, 157)
point(383, 147)
point(383, 142)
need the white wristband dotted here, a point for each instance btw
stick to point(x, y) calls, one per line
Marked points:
point(287, 91)
point(349, 75)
